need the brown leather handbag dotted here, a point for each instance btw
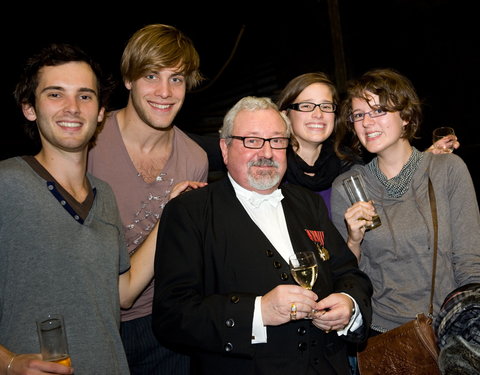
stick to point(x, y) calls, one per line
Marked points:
point(410, 349)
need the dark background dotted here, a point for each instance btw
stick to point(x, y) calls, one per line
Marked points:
point(255, 47)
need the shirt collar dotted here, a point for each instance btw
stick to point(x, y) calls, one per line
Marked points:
point(254, 198)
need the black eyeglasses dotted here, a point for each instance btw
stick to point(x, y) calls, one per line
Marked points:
point(276, 143)
point(360, 116)
point(310, 107)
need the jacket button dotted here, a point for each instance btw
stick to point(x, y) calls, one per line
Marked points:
point(284, 276)
point(301, 331)
point(234, 299)
point(269, 253)
point(229, 323)
point(277, 264)
point(228, 347)
point(302, 346)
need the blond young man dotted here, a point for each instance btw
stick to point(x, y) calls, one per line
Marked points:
point(142, 155)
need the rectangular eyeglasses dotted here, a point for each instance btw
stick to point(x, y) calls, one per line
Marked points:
point(277, 143)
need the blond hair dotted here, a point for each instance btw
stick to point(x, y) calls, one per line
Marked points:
point(156, 47)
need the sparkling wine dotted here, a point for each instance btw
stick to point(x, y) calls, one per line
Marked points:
point(305, 276)
point(63, 360)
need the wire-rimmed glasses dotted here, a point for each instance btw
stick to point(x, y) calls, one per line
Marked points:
point(277, 143)
point(360, 116)
point(310, 107)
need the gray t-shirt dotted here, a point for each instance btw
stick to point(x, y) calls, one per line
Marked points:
point(51, 263)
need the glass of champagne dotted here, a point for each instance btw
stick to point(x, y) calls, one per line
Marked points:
point(304, 268)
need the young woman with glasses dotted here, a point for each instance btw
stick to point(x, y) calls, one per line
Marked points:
point(382, 113)
point(310, 101)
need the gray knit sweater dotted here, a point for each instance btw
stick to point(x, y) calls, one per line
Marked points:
point(397, 256)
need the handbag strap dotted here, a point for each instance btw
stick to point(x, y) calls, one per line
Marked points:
point(433, 206)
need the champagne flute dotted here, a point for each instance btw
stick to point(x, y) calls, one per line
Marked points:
point(304, 268)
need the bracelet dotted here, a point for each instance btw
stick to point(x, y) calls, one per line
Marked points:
point(9, 366)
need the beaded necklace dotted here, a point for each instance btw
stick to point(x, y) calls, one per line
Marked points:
point(397, 186)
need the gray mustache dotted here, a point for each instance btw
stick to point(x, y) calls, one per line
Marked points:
point(264, 163)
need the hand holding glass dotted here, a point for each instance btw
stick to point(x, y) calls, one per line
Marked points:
point(442, 132)
point(304, 269)
point(355, 188)
point(53, 341)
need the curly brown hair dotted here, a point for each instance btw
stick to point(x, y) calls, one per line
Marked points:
point(396, 94)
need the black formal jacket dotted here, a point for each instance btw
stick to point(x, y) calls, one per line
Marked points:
point(211, 263)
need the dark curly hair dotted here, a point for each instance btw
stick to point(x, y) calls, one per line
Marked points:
point(396, 94)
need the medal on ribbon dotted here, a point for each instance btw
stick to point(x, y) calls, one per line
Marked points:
point(318, 238)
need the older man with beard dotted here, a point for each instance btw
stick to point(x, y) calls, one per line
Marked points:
point(223, 288)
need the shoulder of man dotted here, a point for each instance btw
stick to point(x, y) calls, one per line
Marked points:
point(101, 186)
point(186, 137)
point(195, 151)
point(10, 164)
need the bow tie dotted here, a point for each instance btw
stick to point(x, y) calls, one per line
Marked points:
point(274, 198)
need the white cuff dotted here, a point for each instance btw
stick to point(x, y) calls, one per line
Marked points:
point(259, 331)
point(356, 321)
